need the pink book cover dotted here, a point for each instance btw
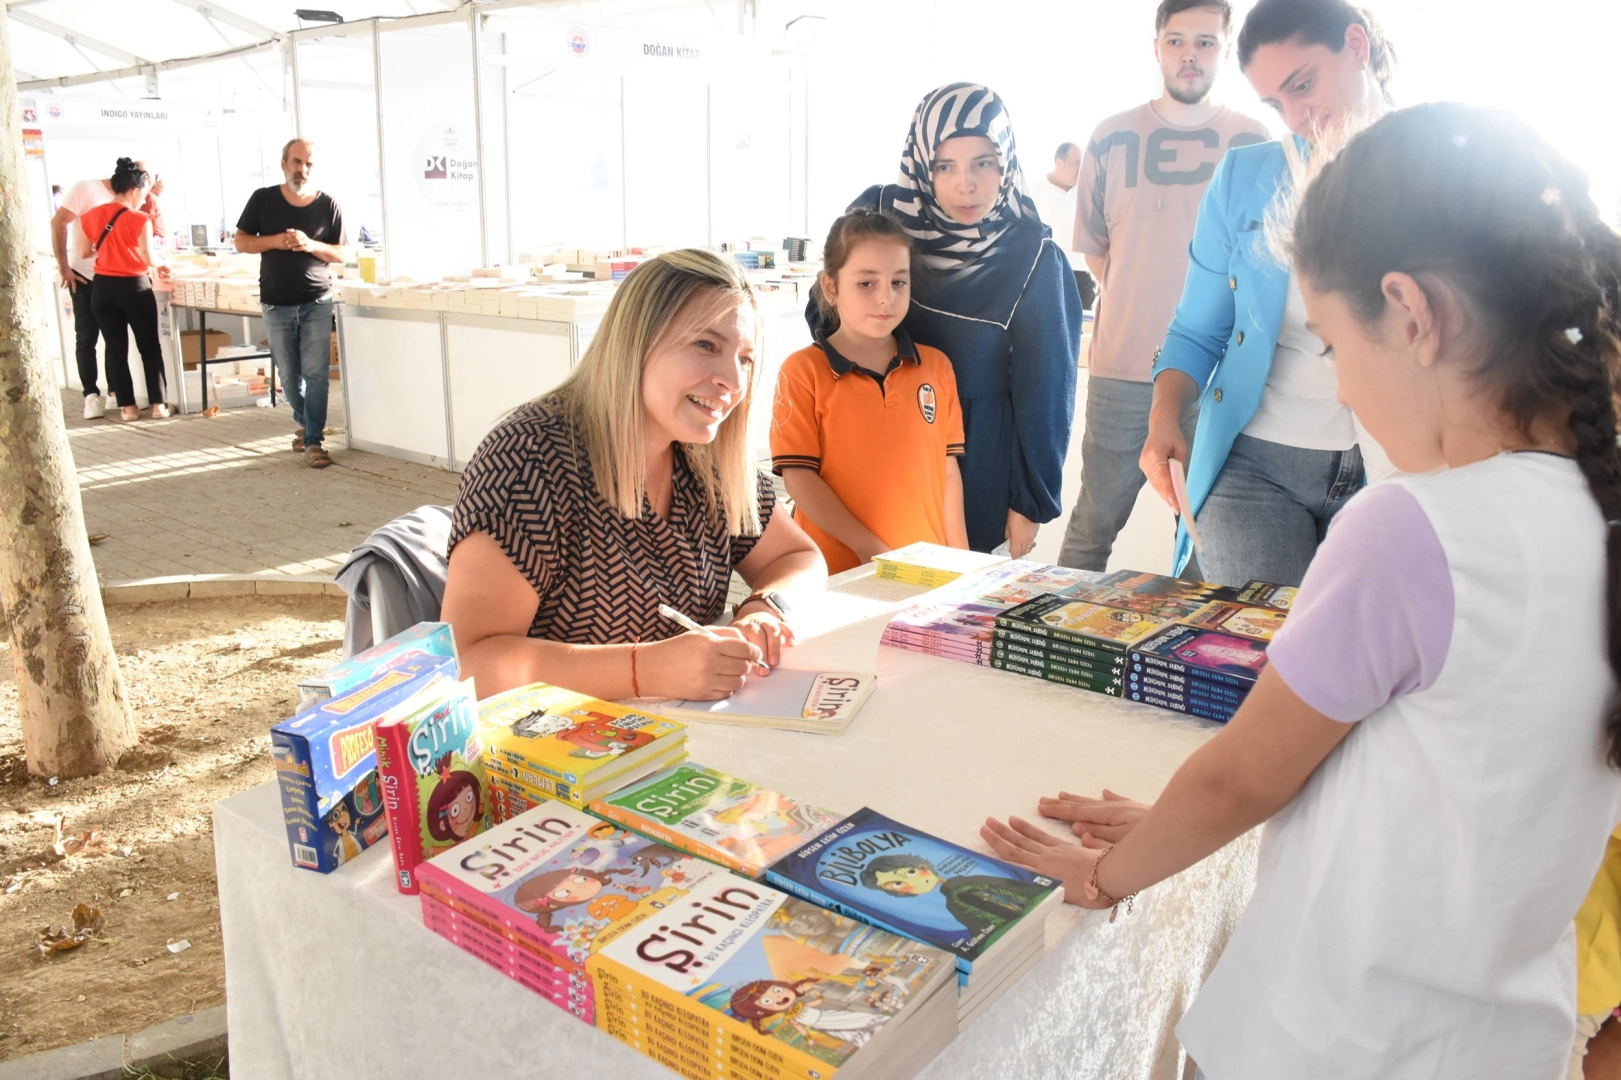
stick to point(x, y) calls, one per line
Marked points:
point(431, 763)
point(577, 999)
point(557, 877)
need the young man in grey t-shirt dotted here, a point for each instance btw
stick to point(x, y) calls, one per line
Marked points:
point(1138, 194)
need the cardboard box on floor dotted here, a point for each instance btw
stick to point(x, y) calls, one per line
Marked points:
point(188, 345)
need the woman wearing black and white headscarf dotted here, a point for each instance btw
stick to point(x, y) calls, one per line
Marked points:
point(998, 298)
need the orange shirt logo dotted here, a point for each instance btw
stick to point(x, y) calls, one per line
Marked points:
point(925, 401)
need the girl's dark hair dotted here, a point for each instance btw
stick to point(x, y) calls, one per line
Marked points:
point(1478, 199)
point(127, 176)
point(1316, 22)
point(842, 238)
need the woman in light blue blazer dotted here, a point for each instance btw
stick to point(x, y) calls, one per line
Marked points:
point(1275, 454)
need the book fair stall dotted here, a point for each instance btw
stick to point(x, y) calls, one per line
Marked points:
point(598, 886)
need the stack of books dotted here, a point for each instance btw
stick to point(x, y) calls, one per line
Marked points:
point(539, 894)
point(931, 565)
point(988, 914)
point(1189, 646)
point(544, 742)
point(959, 622)
point(729, 822)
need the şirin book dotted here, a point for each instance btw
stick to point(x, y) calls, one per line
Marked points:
point(732, 822)
point(432, 771)
point(820, 702)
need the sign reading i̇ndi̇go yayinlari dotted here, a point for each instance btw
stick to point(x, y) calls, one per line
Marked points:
point(447, 165)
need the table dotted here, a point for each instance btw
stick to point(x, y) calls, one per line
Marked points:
point(335, 976)
point(203, 359)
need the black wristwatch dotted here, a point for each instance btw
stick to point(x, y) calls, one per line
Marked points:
point(777, 602)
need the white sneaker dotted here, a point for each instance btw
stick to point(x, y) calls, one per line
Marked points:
point(94, 407)
point(160, 412)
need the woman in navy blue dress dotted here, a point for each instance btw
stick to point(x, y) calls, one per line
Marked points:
point(997, 296)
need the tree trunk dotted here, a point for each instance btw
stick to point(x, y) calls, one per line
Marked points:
point(75, 715)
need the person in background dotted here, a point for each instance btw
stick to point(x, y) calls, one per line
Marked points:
point(1276, 454)
point(866, 427)
point(1055, 198)
point(1435, 805)
point(118, 237)
point(996, 295)
point(1138, 196)
point(76, 273)
point(151, 208)
point(297, 231)
point(629, 487)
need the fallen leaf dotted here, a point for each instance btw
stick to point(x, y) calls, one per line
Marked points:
point(79, 998)
point(87, 924)
point(341, 523)
point(96, 538)
point(179, 946)
point(172, 896)
point(125, 892)
point(85, 843)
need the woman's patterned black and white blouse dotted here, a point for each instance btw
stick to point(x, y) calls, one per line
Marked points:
point(600, 575)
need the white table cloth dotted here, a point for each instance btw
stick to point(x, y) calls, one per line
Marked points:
point(335, 976)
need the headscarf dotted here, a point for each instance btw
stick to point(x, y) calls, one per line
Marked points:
point(944, 244)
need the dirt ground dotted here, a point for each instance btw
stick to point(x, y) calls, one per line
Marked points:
point(207, 679)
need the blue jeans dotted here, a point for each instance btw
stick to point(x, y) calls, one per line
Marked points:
point(301, 347)
point(1270, 509)
point(1116, 427)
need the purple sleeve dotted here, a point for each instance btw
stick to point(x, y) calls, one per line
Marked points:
point(1374, 615)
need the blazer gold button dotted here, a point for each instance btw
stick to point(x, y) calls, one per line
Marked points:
point(1241, 337)
point(1232, 283)
point(1218, 395)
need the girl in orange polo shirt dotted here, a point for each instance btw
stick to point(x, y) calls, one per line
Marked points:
point(866, 427)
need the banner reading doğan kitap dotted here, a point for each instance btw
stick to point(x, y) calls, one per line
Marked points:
point(446, 165)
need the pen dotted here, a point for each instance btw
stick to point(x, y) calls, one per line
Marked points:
point(688, 623)
point(684, 622)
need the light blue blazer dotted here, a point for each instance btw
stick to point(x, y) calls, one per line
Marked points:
point(1227, 322)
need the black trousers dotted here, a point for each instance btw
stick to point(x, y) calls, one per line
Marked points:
point(123, 304)
point(85, 332)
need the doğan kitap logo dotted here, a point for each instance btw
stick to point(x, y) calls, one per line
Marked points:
point(447, 157)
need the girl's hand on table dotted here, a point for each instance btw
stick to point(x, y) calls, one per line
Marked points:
point(1109, 818)
point(1027, 845)
point(768, 633)
point(698, 667)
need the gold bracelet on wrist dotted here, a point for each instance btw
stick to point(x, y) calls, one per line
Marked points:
point(1114, 904)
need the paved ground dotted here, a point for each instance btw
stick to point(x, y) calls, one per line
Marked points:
point(225, 494)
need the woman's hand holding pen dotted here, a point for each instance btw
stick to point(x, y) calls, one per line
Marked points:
point(698, 666)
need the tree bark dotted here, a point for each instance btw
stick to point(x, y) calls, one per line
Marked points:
point(75, 715)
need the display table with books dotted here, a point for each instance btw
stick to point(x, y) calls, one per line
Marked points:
point(335, 974)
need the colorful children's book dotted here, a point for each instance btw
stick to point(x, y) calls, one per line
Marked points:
point(565, 881)
point(326, 765)
point(1186, 650)
point(488, 941)
point(932, 564)
point(1160, 607)
point(422, 640)
point(1097, 625)
point(739, 825)
point(906, 881)
point(514, 788)
point(741, 981)
point(1240, 620)
point(580, 747)
point(1262, 593)
point(958, 622)
point(432, 767)
point(820, 702)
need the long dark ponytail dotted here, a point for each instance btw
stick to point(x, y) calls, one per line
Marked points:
point(1478, 198)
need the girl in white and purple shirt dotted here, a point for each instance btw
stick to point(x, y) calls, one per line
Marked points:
point(1433, 746)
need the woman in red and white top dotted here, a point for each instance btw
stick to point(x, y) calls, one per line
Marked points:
point(120, 238)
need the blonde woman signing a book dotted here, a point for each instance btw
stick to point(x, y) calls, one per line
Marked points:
point(1275, 454)
point(1437, 781)
point(627, 488)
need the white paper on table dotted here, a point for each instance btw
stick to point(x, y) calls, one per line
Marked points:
point(1184, 505)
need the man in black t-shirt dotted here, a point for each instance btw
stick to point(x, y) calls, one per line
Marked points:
point(297, 232)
